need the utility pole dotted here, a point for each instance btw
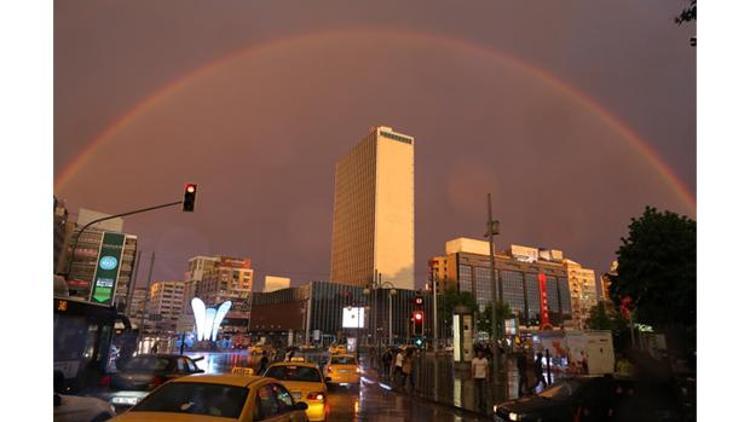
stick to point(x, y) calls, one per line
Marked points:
point(434, 309)
point(492, 230)
point(133, 282)
point(142, 326)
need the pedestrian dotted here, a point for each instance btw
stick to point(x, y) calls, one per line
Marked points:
point(263, 363)
point(539, 372)
point(408, 370)
point(387, 359)
point(523, 380)
point(398, 371)
point(479, 373)
point(289, 355)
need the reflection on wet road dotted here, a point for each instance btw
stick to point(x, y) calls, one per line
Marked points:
point(368, 403)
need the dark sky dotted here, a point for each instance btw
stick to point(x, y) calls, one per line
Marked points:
point(300, 82)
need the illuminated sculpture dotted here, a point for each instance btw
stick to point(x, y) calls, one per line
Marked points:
point(207, 321)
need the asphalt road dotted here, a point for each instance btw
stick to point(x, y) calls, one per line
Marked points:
point(371, 402)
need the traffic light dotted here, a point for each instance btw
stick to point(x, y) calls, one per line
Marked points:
point(418, 317)
point(188, 203)
point(419, 342)
point(419, 302)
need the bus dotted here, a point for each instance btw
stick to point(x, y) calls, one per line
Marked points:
point(83, 336)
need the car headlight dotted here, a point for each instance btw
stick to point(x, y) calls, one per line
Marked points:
point(514, 416)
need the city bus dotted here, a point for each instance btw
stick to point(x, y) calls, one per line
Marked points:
point(83, 335)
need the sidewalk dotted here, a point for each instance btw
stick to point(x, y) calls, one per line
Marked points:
point(436, 381)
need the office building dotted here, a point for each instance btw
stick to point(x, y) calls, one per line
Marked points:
point(524, 274)
point(226, 278)
point(165, 305)
point(135, 311)
point(273, 283)
point(583, 293)
point(373, 217)
point(84, 261)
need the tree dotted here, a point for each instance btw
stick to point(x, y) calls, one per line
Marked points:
point(602, 318)
point(503, 312)
point(452, 298)
point(688, 14)
point(657, 270)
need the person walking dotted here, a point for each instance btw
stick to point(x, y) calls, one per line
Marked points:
point(408, 370)
point(387, 359)
point(398, 370)
point(263, 363)
point(539, 372)
point(523, 380)
point(479, 373)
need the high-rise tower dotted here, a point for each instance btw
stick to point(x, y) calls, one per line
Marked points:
point(373, 216)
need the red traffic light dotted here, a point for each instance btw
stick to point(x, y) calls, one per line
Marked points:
point(188, 203)
point(418, 316)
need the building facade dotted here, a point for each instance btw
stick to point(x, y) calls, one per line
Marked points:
point(314, 313)
point(166, 303)
point(85, 257)
point(373, 217)
point(273, 283)
point(523, 274)
point(227, 278)
point(583, 293)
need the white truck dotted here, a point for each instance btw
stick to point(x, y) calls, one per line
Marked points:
point(577, 352)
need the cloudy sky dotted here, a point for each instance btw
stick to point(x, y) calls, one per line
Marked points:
point(573, 114)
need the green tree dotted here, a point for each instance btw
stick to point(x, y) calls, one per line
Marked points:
point(602, 318)
point(449, 300)
point(503, 312)
point(657, 270)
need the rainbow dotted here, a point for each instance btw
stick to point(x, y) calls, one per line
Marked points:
point(640, 145)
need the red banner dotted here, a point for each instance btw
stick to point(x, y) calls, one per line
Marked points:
point(544, 306)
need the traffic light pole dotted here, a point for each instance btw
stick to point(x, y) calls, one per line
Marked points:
point(99, 220)
point(492, 230)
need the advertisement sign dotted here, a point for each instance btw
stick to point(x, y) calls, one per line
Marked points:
point(456, 338)
point(354, 317)
point(543, 300)
point(524, 253)
point(107, 268)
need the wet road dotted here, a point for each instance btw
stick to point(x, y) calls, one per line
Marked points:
point(371, 403)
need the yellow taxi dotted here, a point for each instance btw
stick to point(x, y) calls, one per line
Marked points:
point(208, 397)
point(343, 370)
point(255, 350)
point(305, 382)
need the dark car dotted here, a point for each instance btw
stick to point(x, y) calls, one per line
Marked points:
point(595, 398)
point(143, 373)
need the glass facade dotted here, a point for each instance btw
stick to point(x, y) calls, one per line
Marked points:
point(465, 279)
point(483, 286)
point(532, 296)
point(564, 290)
point(513, 291)
point(553, 297)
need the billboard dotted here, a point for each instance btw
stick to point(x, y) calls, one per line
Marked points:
point(354, 317)
point(107, 268)
point(524, 253)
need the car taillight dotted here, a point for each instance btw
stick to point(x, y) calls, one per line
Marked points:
point(105, 381)
point(316, 396)
point(156, 381)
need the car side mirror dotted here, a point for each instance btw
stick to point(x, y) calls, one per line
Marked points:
point(300, 405)
point(328, 379)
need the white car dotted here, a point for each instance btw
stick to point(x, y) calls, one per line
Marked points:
point(81, 409)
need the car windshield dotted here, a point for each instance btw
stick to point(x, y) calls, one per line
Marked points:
point(342, 360)
point(147, 363)
point(294, 373)
point(195, 398)
point(561, 390)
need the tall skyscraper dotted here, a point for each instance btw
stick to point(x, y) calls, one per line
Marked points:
point(373, 211)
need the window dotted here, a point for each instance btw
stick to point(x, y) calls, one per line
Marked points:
point(196, 399)
point(286, 404)
point(266, 404)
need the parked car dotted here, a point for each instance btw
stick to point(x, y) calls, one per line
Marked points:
point(594, 398)
point(143, 373)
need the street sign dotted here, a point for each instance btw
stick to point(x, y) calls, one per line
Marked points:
point(107, 268)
